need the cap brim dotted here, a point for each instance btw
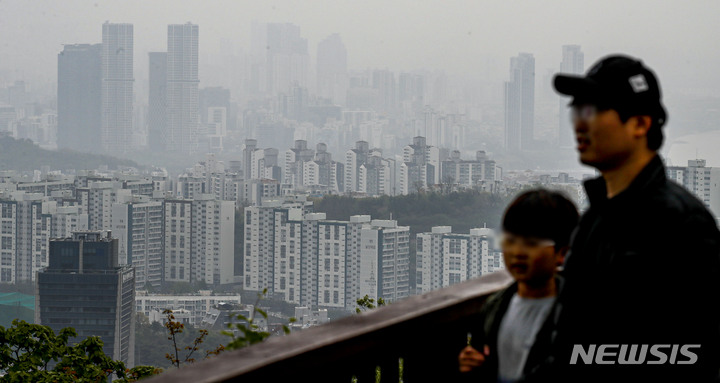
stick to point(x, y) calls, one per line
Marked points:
point(575, 86)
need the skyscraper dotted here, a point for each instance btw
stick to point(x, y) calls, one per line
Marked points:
point(117, 87)
point(182, 125)
point(573, 62)
point(287, 58)
point(79, 96)
point(332, 79)
point(520, 103)
point(84, 287)
point(157, 99)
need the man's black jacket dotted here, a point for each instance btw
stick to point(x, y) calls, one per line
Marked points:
point(644, 269)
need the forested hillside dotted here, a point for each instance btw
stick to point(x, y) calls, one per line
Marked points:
point(463, 211)
point(24, 155)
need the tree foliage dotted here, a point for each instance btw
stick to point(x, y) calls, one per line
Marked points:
point(175, 328)
point(24, 155)
point(366, 303)
point(421, 211)
point(34, 353)
point(245, 332)
point(152, 345)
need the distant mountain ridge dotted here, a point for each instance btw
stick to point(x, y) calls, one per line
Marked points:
point(24, 155)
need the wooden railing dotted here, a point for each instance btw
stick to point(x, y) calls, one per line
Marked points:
point(426, 331)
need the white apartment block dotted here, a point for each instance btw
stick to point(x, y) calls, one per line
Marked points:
point(305, 259)
point(196, 305)
point(420, 167)
point(385, 260)
point(478, 172)
point(276, 220)
point(25, 223)
point(287, 253)
point(444, 259)
point(255, 191)
point(66, 220)
point(377, 176)
point(311, 173)
point(701, 180)
point(199, 240)
point(96, 201)
point(138, 225)
point(333, 261)
point(309, 260)
point(366, 171)
point(354, 158)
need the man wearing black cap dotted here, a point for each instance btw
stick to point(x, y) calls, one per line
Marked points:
point(641, 299)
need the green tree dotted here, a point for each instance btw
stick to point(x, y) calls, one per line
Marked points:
point(34, 353)
point(366, 303)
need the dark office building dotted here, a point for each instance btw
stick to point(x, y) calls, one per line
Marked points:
point(79, 97)
point(157, 100)
point(84, 287)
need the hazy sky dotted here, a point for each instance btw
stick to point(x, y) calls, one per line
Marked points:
point(678, 39)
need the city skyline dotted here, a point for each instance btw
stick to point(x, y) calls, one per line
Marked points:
point(479, 28)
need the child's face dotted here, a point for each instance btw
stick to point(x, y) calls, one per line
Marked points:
point(530, 260)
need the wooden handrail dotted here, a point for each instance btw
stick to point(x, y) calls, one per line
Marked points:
point(427, 331)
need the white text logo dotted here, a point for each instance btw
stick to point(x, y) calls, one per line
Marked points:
point(634, 354)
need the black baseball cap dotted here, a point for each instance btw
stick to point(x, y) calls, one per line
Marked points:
point(616, 82)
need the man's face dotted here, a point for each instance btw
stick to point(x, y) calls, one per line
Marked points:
point(603, 140)
point(530, 260)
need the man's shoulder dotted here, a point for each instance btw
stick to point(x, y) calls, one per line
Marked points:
point(672, 207)
point(673, 198)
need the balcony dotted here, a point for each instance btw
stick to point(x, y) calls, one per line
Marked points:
point(427, 331)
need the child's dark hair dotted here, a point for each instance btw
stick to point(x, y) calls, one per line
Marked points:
point(542, 213)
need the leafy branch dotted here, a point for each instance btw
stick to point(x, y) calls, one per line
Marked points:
point(246, 332)
point(174, 328)
point(366, 303)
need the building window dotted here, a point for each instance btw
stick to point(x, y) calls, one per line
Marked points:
point(455, 246)
point(454, 278)
point(455, 263)
point(6, 243)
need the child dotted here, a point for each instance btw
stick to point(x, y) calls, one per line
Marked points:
point(513, 331)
